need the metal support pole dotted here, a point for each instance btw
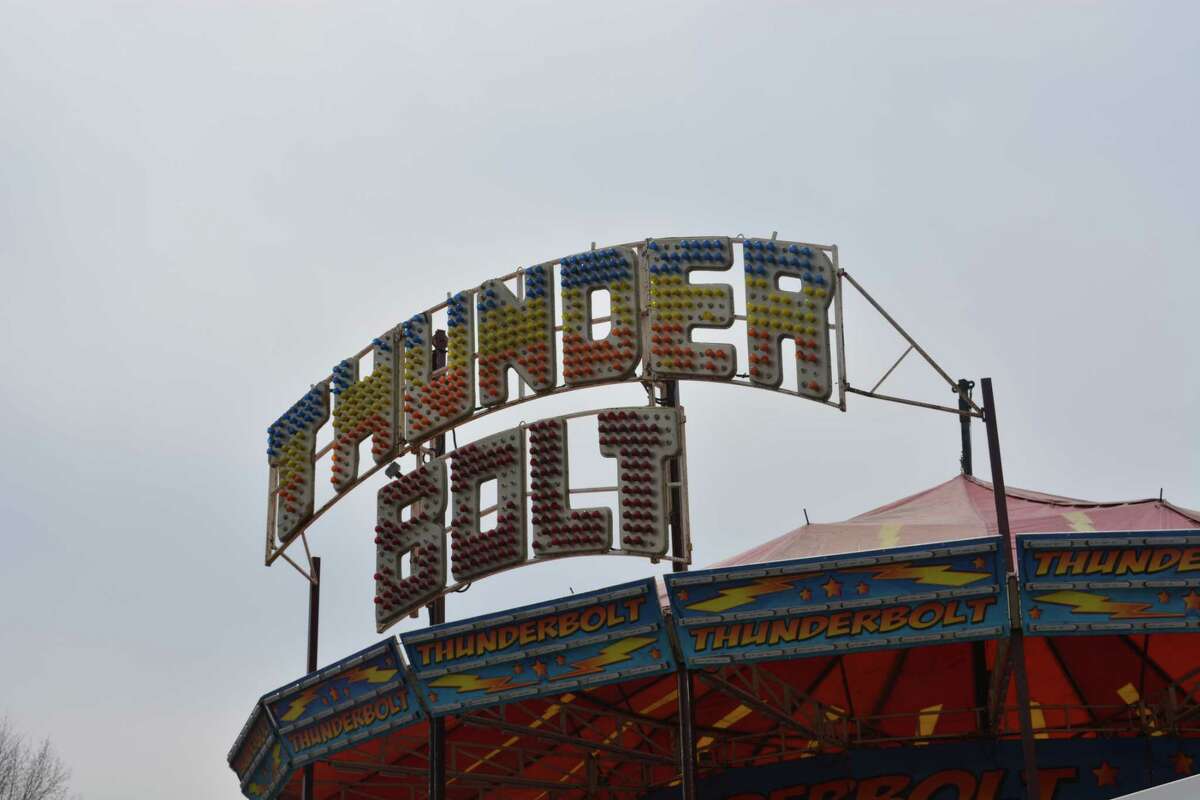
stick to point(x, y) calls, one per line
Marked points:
point(314, 618)
point(978, 649)
point(687, 734)
point(964, 421)
point(1017, 636)
point(675, 473)
point(437, 615)
point(687, 711)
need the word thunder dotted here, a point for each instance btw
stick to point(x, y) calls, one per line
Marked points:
point(654, 310)
point(1117, 561)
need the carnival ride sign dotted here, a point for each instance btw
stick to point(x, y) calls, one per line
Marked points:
point(576, 642)
point(258, 757)
point(545, 324)
point(353, 699)
point(270, 771)
point(357, 698)
point(889, 598)
point(1144, 581)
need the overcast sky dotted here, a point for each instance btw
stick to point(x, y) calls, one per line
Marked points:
point(205, 205)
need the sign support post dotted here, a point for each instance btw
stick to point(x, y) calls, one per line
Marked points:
point(1016, 635)
point(437, 615)
point(978, 651)
point(314, 618)
point(964, 421)
point(687, 712)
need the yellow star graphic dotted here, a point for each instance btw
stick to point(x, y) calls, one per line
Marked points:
point(862, 588)
point(539, 668)
point(832, 587)
point(1163, 597)
point(1035, 613)
point(806, 593)
point(979, 563)
point(1191, 601)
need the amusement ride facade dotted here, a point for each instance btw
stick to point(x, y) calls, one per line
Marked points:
point(965, 642)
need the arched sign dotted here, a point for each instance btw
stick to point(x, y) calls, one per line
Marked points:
point(543, 323)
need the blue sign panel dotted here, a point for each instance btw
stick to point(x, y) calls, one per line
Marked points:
point(890, 598)
point(255, 734)
point(576, 642)
point(1079, 583)
point(1067, 770)
point(357, 698)
point(259, 758)
point(269, 772)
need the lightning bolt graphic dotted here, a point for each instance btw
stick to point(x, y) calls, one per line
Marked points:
point(299, 704)
point(741, 595)
point(474, 683)
point(370, 675)
point(361, 675)
point(615, 653)
point(927, 575)
point(256, 789)
point(1087, 603)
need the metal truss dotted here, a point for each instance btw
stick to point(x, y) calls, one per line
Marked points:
point(625, 754)
point(574, 726)
point(606, 745)
point(617, 753)
point(770, 695)
point(408, 779)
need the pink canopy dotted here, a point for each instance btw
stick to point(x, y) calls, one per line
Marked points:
point(963, 508)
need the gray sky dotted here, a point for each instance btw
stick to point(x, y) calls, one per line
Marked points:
point(206, 204)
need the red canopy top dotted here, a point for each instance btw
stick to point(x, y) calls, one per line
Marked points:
point(963, 508)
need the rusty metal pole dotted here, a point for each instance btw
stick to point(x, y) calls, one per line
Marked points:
point(314, 618)
point(1017, 635)
point(687, 711)
point(964, 421)
point(978, 649)
point(437, 615)
point(675, 476)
